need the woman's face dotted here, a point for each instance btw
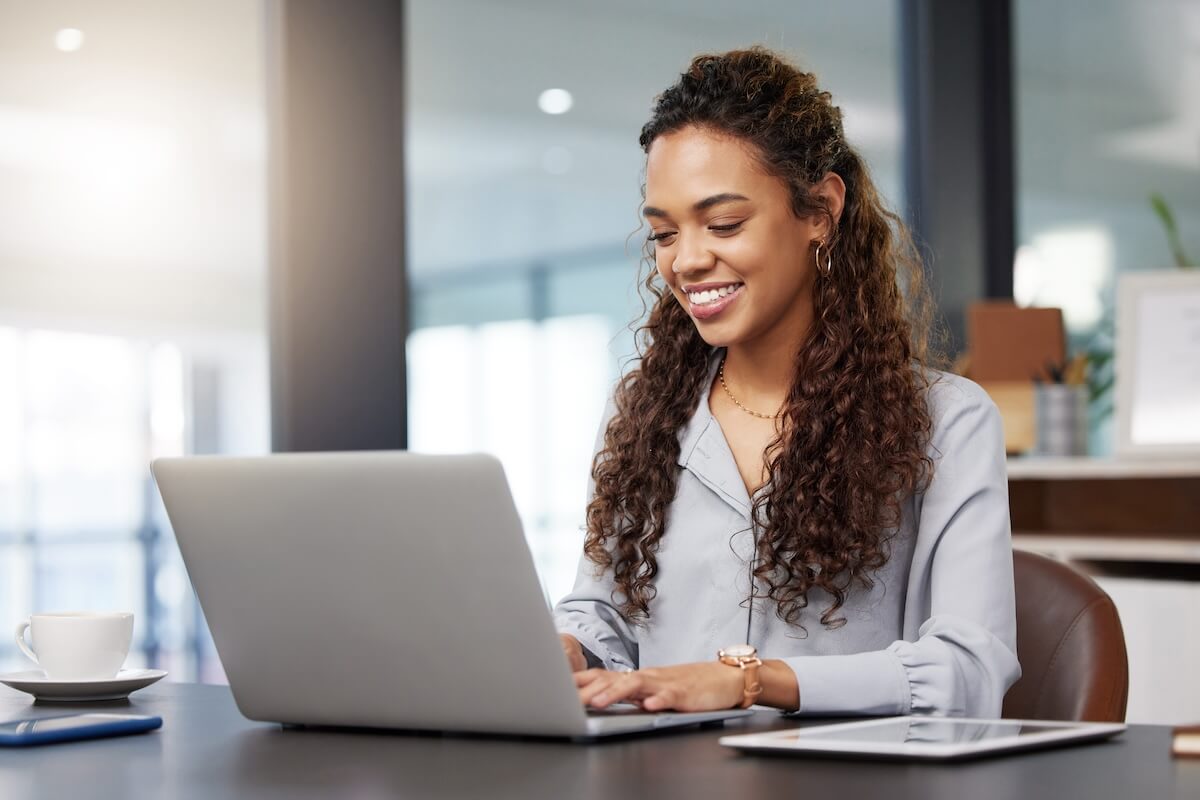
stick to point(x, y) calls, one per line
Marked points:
point(726, 241)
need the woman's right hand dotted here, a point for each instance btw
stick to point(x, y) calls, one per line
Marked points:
point(574, 652)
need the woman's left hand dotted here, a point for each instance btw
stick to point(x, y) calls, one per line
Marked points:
point(706, 686)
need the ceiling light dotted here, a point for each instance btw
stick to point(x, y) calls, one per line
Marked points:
point(555, 101)
point(68, 40)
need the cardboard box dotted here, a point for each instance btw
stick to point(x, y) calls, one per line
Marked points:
point(1009, 347)
point(1009, 343)
point(1017, 412)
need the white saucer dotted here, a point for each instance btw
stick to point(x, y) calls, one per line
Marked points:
point(37, 684)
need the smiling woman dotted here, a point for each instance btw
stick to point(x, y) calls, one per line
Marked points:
point(734, 243)
point(834, 519)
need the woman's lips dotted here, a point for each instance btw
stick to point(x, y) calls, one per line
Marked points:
point(710, 310)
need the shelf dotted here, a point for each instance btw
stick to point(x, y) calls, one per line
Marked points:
point(1022, 468)
point(1086, 547)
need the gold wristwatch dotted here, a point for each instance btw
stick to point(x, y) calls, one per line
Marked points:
point(745, 657)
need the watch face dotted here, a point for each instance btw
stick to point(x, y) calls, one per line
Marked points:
point(740, 651)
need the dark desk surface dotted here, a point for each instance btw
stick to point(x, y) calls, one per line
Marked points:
point(207, 750)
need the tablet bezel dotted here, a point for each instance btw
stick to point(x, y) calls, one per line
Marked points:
point(1055, 733)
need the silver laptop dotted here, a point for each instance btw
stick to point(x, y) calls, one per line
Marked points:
point(378, 589)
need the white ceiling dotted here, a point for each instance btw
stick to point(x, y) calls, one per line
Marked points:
point(477, 139)
point(143, 154)
point(144, 148)
point(1107, 97)
point(132, 172)
point(1105, 107)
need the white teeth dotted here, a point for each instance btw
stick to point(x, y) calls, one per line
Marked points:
point(712, 295)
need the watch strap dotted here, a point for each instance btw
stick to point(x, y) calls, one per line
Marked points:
point(751, 683)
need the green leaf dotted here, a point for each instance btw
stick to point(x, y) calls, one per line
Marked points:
point(1163, 211)
point(1100, 389)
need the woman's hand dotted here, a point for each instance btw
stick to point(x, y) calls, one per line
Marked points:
point(706, 686)
point(574, 652)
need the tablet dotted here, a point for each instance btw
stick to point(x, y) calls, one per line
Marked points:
point(924, 738)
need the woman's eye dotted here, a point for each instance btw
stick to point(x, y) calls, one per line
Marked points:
point(725, 228)
point(658, 237)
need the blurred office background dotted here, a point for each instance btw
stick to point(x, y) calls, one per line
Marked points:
point(132, 285)
point(134, 230)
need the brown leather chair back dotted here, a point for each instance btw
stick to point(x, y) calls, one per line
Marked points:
point(1070, 645)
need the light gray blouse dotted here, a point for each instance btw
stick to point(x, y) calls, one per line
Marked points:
point(936, 634)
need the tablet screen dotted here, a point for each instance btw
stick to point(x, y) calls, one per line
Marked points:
point(932, 730)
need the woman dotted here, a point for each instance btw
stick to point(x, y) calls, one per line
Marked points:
point(783, 477)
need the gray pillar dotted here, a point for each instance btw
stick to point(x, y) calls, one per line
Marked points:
point(337, 288)
point(959, 144)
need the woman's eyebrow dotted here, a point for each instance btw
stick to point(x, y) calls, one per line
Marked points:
point(702, 205)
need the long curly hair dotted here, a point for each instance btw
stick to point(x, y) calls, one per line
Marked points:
point(855, 424)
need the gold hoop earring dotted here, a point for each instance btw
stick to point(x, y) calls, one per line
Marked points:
point(828, 268)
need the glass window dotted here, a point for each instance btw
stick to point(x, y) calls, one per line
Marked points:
point(92, 575)
point(133, 310)
point(16, 586)
point(85, 433)
point(12, 436)
point(1106, 117)
point(522, 224)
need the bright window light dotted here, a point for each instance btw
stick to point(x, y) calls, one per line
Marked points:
point(555, 101)
point(68, 40)
point(1068, 268)
point(522, 391)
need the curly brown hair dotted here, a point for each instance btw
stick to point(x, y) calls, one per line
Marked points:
point(855, 424)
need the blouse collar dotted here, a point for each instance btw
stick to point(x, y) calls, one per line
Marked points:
point(704, 451)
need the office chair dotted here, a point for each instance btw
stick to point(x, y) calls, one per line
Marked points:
point(1070, 644)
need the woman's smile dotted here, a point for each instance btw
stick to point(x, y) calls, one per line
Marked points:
point(707, 300)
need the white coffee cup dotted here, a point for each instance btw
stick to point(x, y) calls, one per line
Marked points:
point(78, 646)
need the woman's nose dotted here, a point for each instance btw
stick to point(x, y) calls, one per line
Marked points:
point(692, 255)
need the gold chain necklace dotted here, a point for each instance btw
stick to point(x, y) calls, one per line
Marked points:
point(736, 402)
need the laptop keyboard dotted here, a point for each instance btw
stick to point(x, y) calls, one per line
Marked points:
point(618, 710)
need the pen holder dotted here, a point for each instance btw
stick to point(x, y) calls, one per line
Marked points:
point(1062, 419)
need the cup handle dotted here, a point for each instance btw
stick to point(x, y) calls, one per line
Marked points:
point(32, 656)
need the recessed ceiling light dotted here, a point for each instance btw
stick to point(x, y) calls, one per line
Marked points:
point(68, 40)
point(555, 101)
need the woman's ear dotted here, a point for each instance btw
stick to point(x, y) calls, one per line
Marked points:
point(832, 190)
